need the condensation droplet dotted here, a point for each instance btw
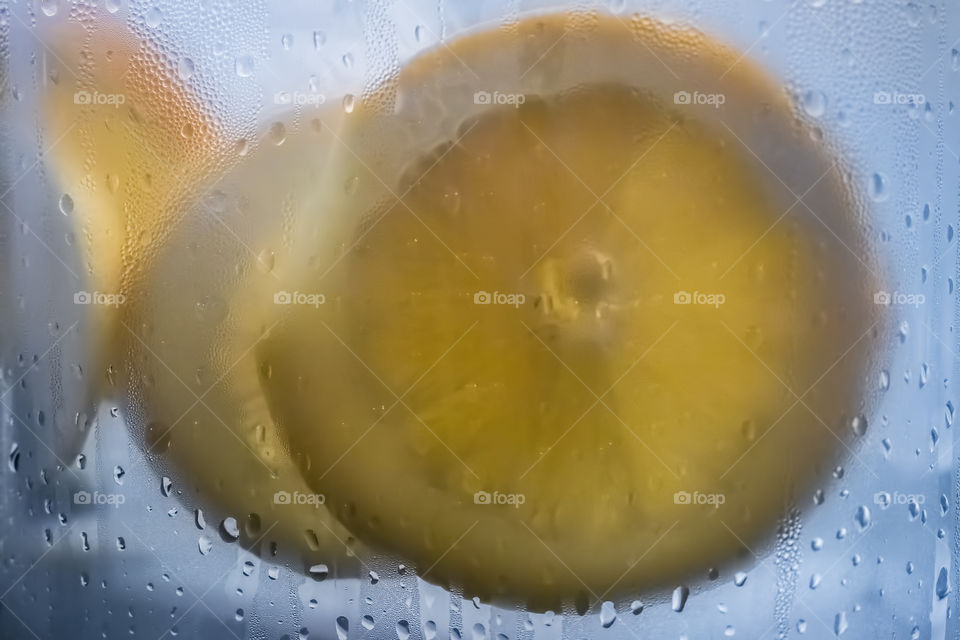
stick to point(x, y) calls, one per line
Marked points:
point(278, 133)
point(244, 66)
point(153, 17)
point(49, 7)
point(185, 68)
point(878, 187)
point(679, 599)
point(608, 614)
point(66, 204)
point(814, 104)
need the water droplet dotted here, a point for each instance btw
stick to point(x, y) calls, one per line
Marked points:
point(230, 528)
point(878, 187)
point(319, 571)
point(863, 516)
point(153, 18)
point(244, 66)
point(49, 7)
point(66, 204)
point(816, 544)
point(884, 380)
point(348, 103)
point(205, 545)
point(166, 484)
point(840, 623)
point(343, 628)
point(278, 133)
point(403, 630)
point(319, 39)
point(608, 614)
point(14, 458)
point(636, 607)
point(914, 509)
point(739, 578)
point(286, 41)
point(815, 104)
point(367, 622)
point(185, 68)
point(943, 584)
point(118, 474)
point(679, 599)
point(859, 425)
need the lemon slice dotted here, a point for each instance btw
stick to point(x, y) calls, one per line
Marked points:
point(563, 356)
